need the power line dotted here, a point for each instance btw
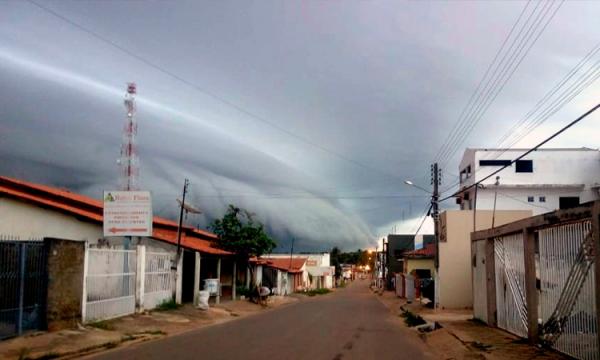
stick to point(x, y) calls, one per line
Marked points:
point(506, 73)
point(586, 114)
point(460, 117)
point(211, 94)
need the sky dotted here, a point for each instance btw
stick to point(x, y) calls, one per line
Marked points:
point(310, 114)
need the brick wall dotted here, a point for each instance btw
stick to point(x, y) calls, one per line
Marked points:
point(65, 282)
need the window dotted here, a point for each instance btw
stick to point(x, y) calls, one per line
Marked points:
point(568, 202)
point(524, 166)
point(494, 162)
point(530, 199)
point(542, 199)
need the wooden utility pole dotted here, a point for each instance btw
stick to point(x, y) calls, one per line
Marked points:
point(177, 254)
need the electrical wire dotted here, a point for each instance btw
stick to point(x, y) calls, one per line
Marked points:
point(581, 117)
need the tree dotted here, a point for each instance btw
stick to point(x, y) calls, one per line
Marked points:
point(335, 255)
point(239, 233)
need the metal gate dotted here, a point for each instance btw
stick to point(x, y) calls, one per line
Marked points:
point(567, 299)
point(158, 279)
point(109, 283)
point(23, 287)
point(510, 284)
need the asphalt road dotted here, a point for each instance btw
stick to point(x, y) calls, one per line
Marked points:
point(349, 324)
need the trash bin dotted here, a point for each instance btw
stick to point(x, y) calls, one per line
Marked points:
point(203, 296)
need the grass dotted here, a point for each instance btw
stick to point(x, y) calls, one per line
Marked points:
point(317, 292)
point(412, 319)
point(104, 325)
point(166, 305)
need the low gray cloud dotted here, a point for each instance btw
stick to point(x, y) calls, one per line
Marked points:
point(334, 103)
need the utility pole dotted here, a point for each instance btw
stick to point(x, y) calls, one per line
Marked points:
point(435, 213)
point(186, 183)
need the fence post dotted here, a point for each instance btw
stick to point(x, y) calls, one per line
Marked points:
point(22, 257)
point(86, 254)
point(197, 278)
point(218, 299)
point(233, 280)
point(596, 234)
point(531, 295)
point(140, 276)
point(490, 271)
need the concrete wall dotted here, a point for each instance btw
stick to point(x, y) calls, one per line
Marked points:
point(570, 172)
point(65, 282)
point(30, 221)
point(455, 290)
point(420, 264)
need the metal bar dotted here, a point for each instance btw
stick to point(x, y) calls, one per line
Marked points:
point(21, 288)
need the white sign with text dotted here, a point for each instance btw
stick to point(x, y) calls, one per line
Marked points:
point(127, 213)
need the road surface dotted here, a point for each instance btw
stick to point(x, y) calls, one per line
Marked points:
point(348, 324)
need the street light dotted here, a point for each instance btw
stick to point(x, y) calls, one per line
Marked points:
point(410, 183)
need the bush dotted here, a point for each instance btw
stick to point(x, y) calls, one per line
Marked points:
point(242, 291)
point(167, 305)
point(412, 319)
point(317, 292)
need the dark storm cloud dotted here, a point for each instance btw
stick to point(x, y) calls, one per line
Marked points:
point(376, 83)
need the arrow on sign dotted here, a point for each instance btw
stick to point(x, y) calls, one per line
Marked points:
point(115, 230)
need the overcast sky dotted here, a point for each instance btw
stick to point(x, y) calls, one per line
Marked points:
point(308, 113)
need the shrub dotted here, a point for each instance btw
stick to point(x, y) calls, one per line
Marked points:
point(169, 304)
point(314, 292)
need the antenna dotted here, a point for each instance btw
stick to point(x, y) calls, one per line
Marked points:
point(129, 162)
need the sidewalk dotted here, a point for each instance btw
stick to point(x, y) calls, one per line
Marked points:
point(461, 337)
point(126, 330)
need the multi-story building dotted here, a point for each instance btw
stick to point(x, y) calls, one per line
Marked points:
point(544, 180)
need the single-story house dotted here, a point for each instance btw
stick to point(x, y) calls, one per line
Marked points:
point(30, 211)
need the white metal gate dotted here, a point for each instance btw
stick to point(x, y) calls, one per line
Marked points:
point(109, 283)
point(158, 279)
point(510, 284)
point(560, 247)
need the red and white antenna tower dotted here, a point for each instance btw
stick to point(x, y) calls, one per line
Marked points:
point(129, 161)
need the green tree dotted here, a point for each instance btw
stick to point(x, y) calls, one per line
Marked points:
point(239, 233)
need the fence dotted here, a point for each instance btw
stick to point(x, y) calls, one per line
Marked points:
point(114, 283)
point(23, 284)
point(158, 282)
point(109, 283)
point(542, 268)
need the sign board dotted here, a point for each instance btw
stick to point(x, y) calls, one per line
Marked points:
point(127, 213)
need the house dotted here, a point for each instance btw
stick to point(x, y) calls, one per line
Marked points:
point(453, 287)
point(282, 276)
point(418, 273)
point(35, 211)
point(397, 245)
point(543, 181)
point(320, 273)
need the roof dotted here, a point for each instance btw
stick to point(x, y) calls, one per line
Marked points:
point(428, 251)
point(526, 149)
point(293, 265)
point(91, 209)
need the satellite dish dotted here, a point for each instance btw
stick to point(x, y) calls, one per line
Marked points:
point(189, 208)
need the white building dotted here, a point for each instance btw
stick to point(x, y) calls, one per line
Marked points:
point(318, 267)
point(543, 181)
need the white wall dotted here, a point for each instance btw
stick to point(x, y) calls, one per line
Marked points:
point(556, 173)
point(29, 221)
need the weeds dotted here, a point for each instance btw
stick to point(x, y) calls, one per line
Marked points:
point(317, 292)
point(167, 305)
point(412, 319)
point(103, 325)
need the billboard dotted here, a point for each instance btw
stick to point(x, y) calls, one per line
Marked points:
point(127, 213)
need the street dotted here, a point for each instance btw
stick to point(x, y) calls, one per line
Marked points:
point(348, 324)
